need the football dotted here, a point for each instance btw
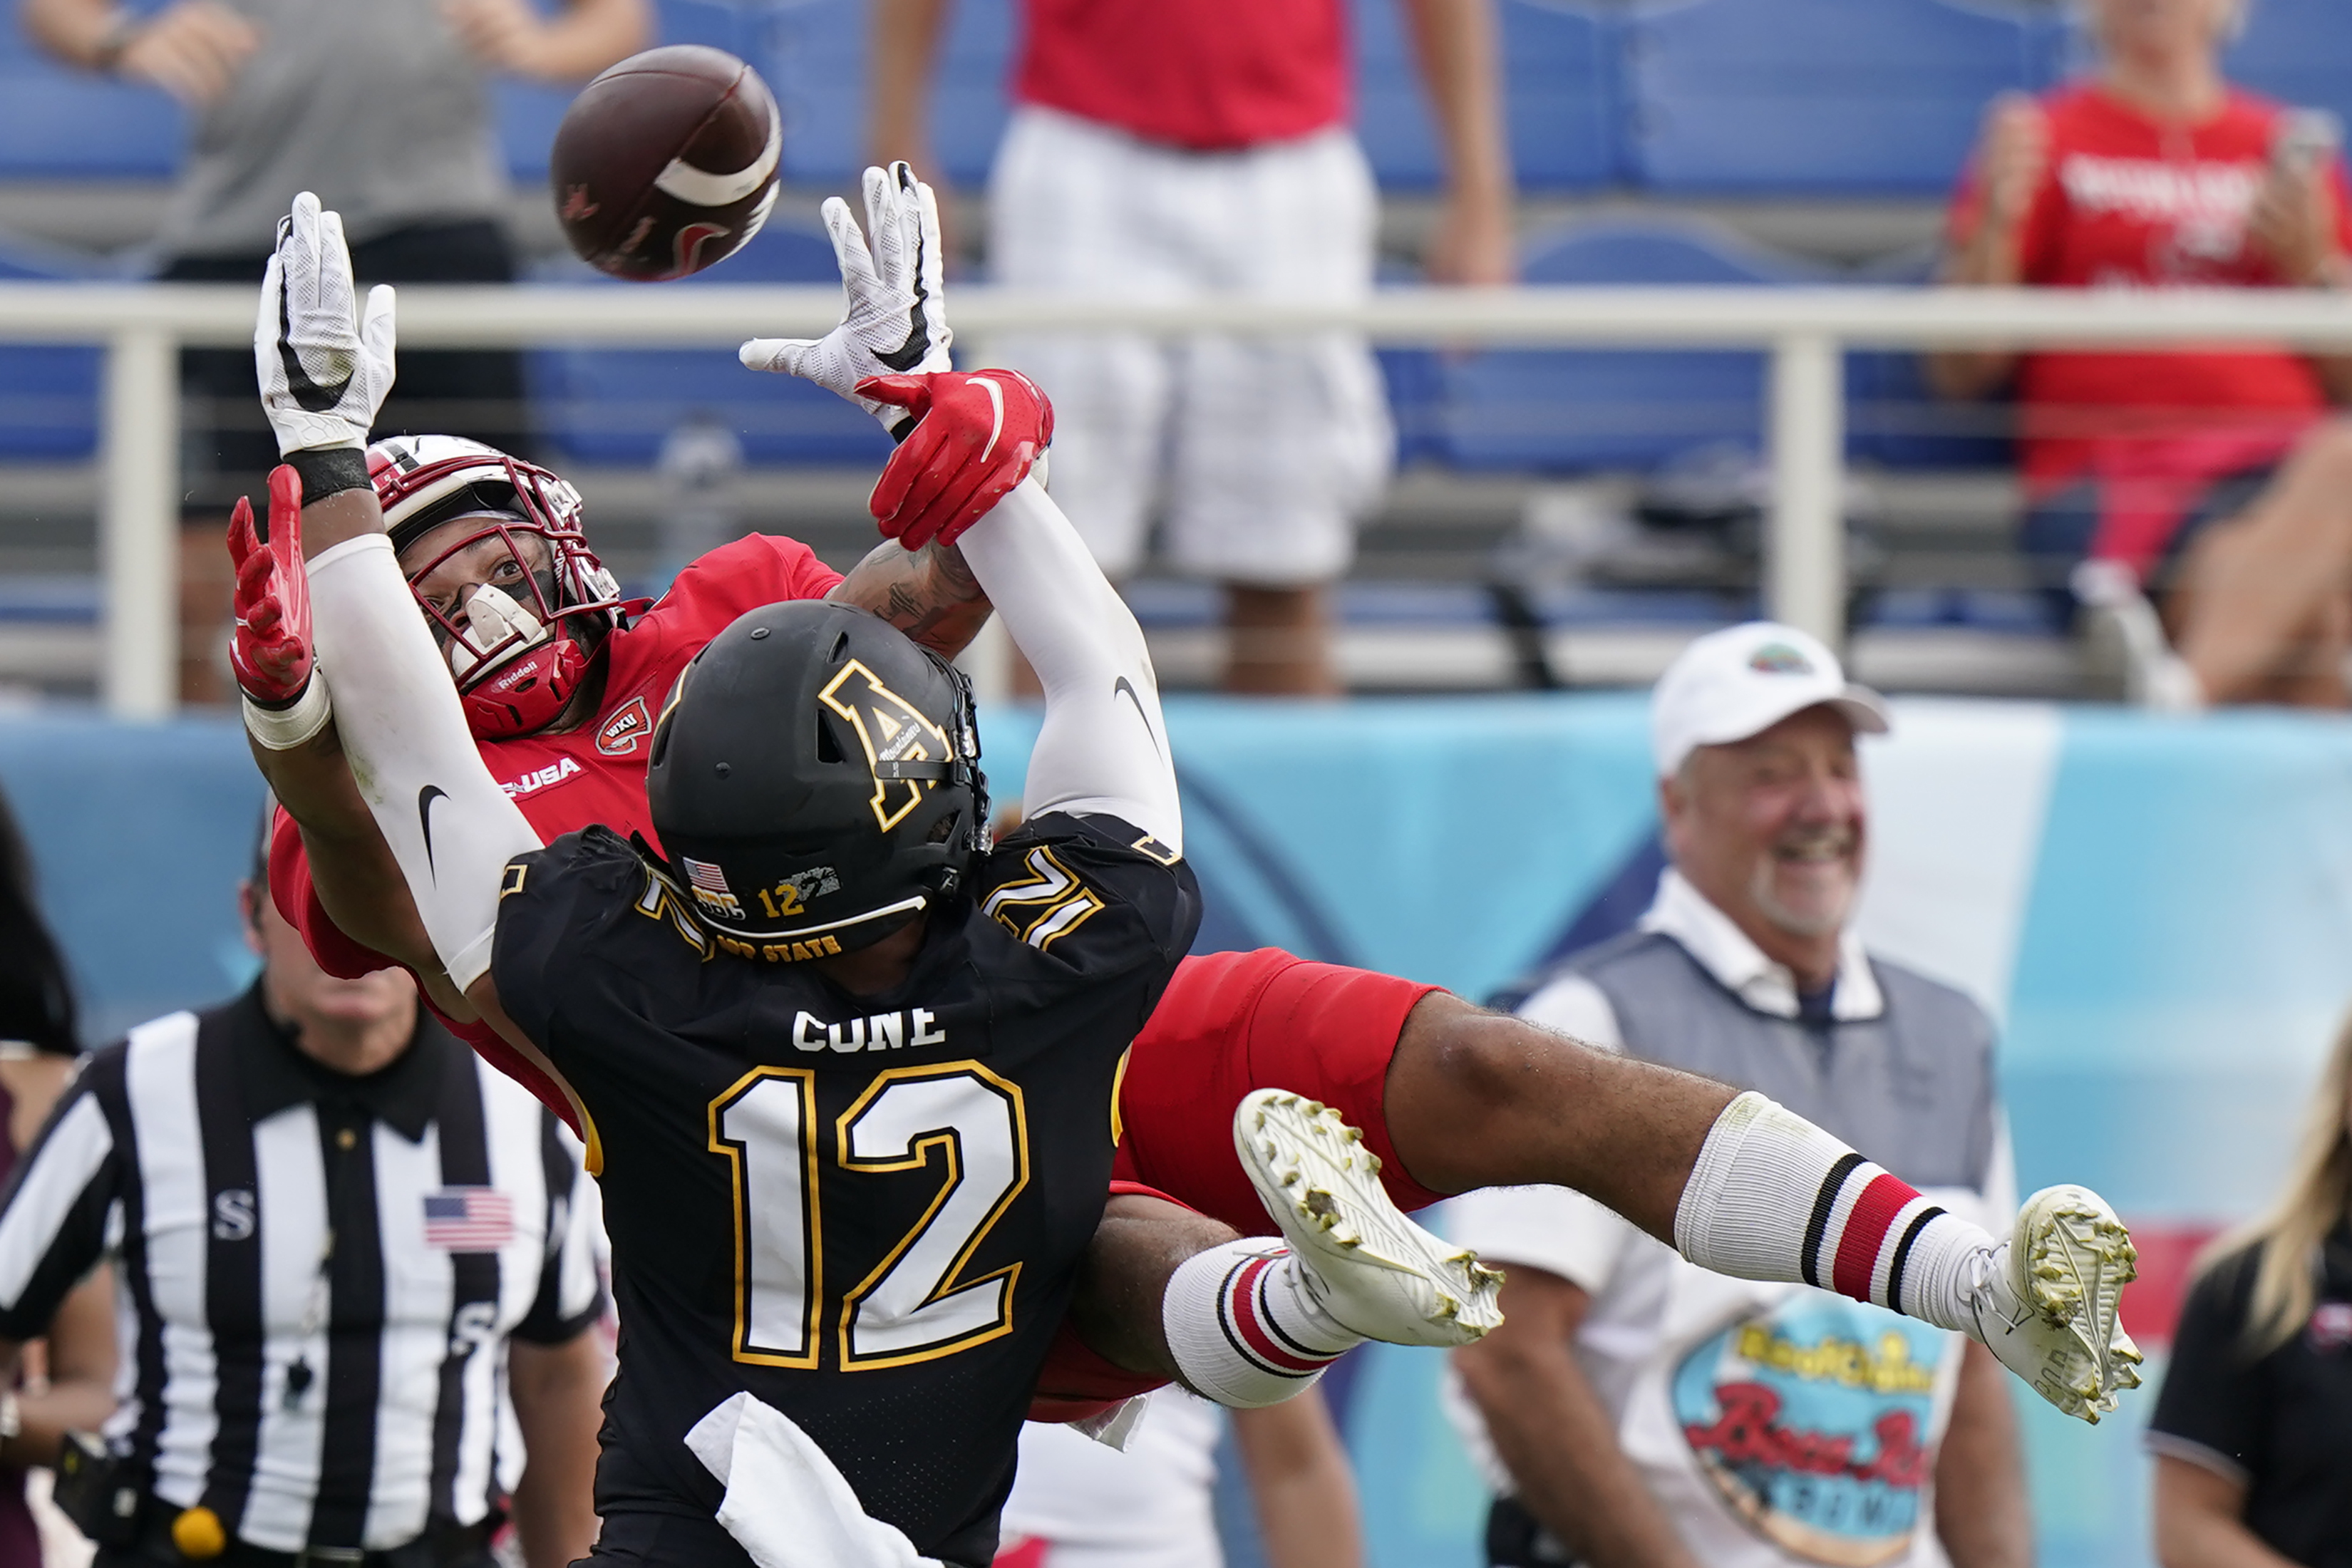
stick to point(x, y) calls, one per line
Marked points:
point(667, 163)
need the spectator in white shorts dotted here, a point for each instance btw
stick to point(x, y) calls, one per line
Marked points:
point(1078, 1504)
point(1166, 150)
point(1635, 1408)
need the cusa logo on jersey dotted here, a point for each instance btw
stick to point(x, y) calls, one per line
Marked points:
point(532, 782)
point(619, 735)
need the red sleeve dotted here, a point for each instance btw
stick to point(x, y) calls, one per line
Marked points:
point(297, 901)
point(758, 569)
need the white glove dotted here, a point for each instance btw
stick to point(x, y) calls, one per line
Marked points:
point(324, 370)
point(896, 323)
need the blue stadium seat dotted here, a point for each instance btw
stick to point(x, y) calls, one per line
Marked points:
point(48, 392)
point(2299, 51)
point(615, 405)
point(1572, 411)
point(814, 55)
point(1560, 93)
point(57, 123)
point(1826, 97)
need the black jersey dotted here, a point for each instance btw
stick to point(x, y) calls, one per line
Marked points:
point(868, 1211)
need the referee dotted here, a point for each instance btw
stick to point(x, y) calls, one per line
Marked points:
point(361, 1269)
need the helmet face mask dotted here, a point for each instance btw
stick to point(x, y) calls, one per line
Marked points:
point(815, 780)
point(529, 521)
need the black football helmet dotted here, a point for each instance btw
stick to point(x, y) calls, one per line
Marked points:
point(815, 780)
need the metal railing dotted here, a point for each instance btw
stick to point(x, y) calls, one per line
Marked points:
point(1804, 331)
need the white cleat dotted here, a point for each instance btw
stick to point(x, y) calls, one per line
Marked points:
point(2048, 1302)
point(1371, 1269)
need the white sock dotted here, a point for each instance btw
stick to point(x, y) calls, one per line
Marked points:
point(1774, 1198)
point(1245, 1330)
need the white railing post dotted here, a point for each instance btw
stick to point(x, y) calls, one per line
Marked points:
point(139, 535)
point(1804, 543)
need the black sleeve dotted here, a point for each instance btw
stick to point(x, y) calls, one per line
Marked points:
point(550, 898)
point(1094, 894)
point(2210, 1410)
point(571, 1282)
point(53, 1219)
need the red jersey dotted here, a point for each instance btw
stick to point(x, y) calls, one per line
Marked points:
point(2130, 202)
point(563, 782)
point(1206, 75)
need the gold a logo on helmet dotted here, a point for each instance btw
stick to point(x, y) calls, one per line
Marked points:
point(891, 730)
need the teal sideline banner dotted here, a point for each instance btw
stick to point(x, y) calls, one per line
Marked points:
point(2159, 911)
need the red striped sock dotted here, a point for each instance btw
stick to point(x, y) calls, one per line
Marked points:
point(1243, 1330)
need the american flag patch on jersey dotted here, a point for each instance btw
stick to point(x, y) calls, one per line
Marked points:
point(468, 1219)
point(705, 876)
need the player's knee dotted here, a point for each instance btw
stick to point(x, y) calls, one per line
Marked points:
point(1476, 1061)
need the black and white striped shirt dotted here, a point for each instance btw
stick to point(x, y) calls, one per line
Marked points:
point(344, 1396)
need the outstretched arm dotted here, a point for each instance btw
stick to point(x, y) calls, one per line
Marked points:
point(928, 594)
point(1103, 747)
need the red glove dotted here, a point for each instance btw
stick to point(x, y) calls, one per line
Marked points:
point(270, 649)
point(977, 436)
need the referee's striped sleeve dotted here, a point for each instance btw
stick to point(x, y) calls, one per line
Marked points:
point(571, 1285)
point(53, 1227)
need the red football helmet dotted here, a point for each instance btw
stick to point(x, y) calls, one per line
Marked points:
point(521, 644)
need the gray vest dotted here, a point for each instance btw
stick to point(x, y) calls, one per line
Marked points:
point(1912, 1088)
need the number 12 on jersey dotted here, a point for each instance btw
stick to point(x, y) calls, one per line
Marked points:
point(913, 1305)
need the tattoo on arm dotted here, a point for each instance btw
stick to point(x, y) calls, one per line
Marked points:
point(928, 594)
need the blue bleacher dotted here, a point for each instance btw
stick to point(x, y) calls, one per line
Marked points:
point(57, 123)
point(813, 53)
point(1827, 97)
point(2299, 51)
point(1565, 412)
point(1559, 93)
point(48, 392)
point(613, 407)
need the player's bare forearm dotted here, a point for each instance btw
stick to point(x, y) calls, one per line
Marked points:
point(1137, 1244)
point(1476, 1099)
point(1554, 1434)
point(358, 883)
point(928, 594)
point(481, 999)
point(1982, 1514)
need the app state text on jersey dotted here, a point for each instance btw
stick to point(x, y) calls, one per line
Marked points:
point(867, 1210)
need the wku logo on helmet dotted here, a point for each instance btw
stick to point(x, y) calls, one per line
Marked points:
point(894, 733)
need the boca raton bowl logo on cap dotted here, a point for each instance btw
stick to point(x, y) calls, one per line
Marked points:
point(1779, 659)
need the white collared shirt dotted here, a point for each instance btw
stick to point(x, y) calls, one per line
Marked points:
point(1575, 1007)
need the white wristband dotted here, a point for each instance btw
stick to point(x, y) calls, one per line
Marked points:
point(283, 729)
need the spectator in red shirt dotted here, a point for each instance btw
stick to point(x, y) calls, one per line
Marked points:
point(2218, 480)
point(1174, 149)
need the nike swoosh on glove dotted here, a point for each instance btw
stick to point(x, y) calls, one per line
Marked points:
point(976, 436)
point(324, 369)
point(896, 323)
point(270, 647)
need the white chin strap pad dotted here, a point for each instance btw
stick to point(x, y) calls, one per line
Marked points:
point(449, 824)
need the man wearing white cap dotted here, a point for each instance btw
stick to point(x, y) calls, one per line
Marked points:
point(1637, 1409)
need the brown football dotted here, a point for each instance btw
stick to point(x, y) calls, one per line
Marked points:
point(667, 163)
